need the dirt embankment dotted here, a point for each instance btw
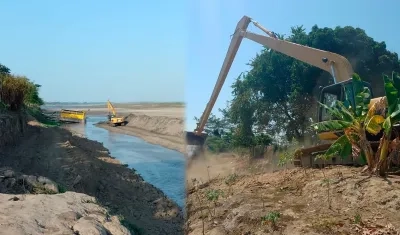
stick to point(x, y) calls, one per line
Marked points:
point(82, 166)
point(337, 200)
point(160, 130)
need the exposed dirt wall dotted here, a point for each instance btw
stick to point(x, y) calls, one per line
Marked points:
point(12, 127)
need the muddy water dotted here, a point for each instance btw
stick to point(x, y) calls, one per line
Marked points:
point(161, 167)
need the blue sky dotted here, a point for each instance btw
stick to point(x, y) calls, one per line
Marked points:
point(212, 22)
point(94, 50)
point(158, 50)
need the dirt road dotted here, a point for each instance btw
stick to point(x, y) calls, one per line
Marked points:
point(84, 166)
point(338, 200)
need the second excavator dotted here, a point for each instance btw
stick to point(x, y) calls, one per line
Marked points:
point(338, 66)
point(113, 119)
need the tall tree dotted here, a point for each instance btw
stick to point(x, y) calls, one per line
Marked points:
point(279, 93)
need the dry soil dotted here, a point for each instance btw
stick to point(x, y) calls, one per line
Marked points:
point(246, 197)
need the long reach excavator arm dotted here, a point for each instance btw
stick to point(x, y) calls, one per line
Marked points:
point(111, 108)
point(338, 66)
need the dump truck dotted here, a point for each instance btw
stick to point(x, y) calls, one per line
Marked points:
point(113, 119)
point(72, 116)
point(336, 65)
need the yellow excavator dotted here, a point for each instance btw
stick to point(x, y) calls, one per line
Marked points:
point(113, 119)
point(338, 66)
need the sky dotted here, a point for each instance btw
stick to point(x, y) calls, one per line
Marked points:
point(213, 22)
point(91, 51)
point(143, 51)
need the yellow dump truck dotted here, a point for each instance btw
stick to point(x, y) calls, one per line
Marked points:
point(73, 116)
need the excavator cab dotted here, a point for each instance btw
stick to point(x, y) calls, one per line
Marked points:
point(339, 91)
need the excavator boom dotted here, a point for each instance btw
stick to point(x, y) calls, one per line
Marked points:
point(338, 66)
point(111, 108)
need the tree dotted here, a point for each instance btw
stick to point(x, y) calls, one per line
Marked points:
point(32, 97)
point(4, 69)
point(18, 91)
point(278, 94)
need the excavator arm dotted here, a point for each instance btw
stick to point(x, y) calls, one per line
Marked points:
point(111, 108)
point(338, 66)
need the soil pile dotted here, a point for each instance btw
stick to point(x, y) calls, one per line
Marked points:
point(160, 130)
point(84, 166)
point(157, 124)
point(337, 200)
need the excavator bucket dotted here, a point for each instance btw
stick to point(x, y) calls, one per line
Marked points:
point(193, 138)
point(194, 145)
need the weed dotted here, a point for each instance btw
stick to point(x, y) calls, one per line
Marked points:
point(213, 195)
point(327, 181)
point(287, 156)
point(231, 179)
point(324, 226)
point(272, 217)
point(357, 219)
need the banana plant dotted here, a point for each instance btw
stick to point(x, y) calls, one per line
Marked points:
point(392, 117)
point(355, 122)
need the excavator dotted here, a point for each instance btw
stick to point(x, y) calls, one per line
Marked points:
point(113, 119)
point(336, 65)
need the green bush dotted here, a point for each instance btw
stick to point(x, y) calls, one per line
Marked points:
point(17, 92)
point(216, 144)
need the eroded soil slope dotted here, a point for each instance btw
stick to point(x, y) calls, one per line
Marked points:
point(160, 130)
point(338, 200)
point(84, 166)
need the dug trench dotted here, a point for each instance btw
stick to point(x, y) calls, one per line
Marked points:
point(98, 186)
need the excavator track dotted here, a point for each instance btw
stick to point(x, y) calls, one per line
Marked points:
point(306, 157)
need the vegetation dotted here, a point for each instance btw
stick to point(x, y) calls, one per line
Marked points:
point(17, 92)
point(272, 217)
point(37, 113)
point(276, 100)
point(356, 122)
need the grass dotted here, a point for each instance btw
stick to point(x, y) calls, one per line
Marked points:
point(42, 118)
point(272, 217)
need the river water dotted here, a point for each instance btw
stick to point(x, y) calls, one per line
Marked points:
point(161, 167)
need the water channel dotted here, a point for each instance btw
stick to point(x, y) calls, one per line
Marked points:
point(161, 167)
